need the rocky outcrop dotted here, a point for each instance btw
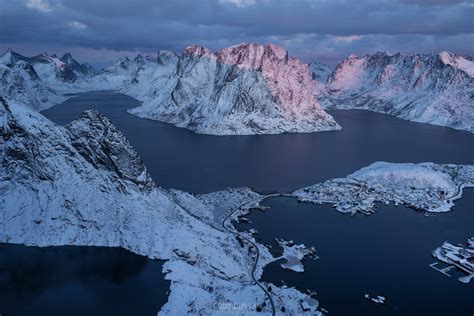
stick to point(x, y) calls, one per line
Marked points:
point(77, 68)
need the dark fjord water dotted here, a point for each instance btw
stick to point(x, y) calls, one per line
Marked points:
point(178, 158)
point(387, 253)
point(79, 281)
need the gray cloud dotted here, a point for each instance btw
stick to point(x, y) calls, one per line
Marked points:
point(308, 28)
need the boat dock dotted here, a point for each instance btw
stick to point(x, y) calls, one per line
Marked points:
point(459, 257)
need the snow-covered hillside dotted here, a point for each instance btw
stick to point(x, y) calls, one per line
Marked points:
point(19, 83)
point(243, 89)
point(320, 71)
point(425, 186)
point(436, 89)
point(40, 81)
point(83, 184)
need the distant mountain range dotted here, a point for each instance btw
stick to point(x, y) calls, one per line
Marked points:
point(256, 89)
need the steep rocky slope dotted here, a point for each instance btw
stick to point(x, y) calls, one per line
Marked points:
point(19, 83)
point(436, 89)
point(243, 89)
point(256, 89)
point(320, 72)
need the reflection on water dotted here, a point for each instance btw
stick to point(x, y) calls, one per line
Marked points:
point(71, 280)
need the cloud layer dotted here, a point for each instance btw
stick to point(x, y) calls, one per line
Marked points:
point(310, 29)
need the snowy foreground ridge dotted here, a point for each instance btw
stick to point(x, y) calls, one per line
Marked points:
point(426, 186)
point(47, 171)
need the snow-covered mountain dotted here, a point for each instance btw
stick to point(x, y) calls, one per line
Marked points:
point(78, 69)
point(242, 89)
point(40, 81)
point(83, 184)
point(56, 70)
point(255, 89)
point(20, 83)
point(51, 69)
point(151, 77)
point(320, 71)
point(436, 88)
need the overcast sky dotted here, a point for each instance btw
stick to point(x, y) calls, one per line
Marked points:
point(328, 30)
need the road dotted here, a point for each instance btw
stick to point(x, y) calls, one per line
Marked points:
point(257, 258)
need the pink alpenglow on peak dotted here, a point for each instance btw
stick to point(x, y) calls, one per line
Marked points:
point(200, 51)
point(288, 79)
point(458, 62)
point(239, 90)
point(427, 88)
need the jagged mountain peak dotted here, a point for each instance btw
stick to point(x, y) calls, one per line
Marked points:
point(249, 55)
point(84, 147)
point(199, 51)
point(67, 56)
point(123, 62)
point(351, 57)
point(165, 56)
point(104, 146)
point(457, 62)
point(252, 55)
point(9, 57)
point(68, 59)
point(139, 58)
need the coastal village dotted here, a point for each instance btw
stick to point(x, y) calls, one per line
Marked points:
point(459, 257)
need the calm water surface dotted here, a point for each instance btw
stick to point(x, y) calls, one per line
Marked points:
point(178, 158)
point(386, 253)
point(79, 281)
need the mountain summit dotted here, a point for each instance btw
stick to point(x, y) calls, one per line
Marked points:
point(242, 89)
point(434, 88)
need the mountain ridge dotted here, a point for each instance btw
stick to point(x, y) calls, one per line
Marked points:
point(257, 89)
point(427, 88)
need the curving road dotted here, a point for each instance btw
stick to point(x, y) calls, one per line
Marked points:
point(254, 267)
